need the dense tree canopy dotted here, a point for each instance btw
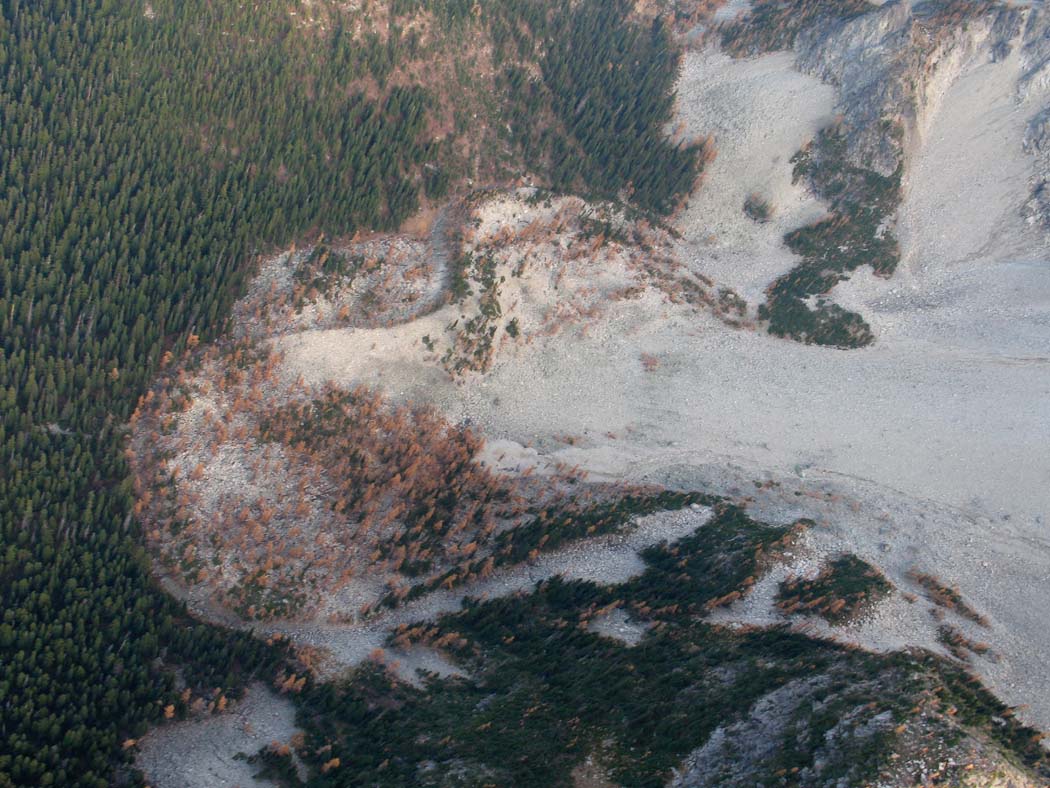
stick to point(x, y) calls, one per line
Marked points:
point(147, 152)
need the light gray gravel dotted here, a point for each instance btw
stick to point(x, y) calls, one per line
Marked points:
point(200, 752)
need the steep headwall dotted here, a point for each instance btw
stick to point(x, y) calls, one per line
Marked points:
point(894, 65)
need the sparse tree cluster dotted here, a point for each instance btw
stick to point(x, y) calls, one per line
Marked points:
point(844, 589)
point(337, 490)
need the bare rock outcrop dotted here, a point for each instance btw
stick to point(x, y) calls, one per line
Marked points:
point(894, 65)
point(1037, 143)
point(865, 746)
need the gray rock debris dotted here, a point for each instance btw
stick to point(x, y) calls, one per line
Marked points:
point(1037, 143)
point(892, 66)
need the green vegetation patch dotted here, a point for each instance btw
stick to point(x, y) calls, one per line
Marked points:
point(855, 233)
point(554, 528)
point(594, 122)
point(771, 25)
point(544, 692)
point(758, 208)
point(714, 566)
point(844, 589)
point(82, 616)
point(325, 267)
